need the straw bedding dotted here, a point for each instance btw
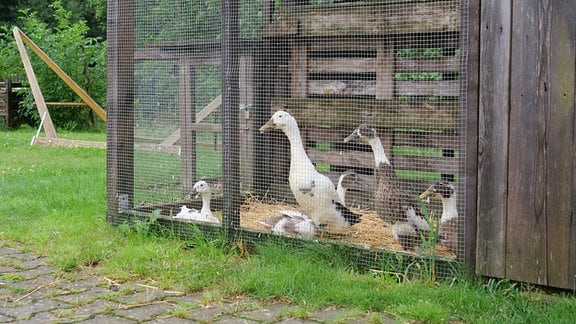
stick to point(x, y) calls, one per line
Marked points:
point(370, 232)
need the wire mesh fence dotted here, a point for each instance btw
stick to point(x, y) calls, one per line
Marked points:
point(348, 119)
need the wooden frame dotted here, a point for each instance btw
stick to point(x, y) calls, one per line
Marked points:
point(42, 106)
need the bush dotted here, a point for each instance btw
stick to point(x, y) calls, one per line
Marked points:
point(83, 58)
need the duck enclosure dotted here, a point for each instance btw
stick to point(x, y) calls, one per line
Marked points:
point(190, 84)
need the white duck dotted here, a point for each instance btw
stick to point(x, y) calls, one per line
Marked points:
point(313, 191)
point(393, 204)
point(295, 223)
point(448, 233)
point(201, 188)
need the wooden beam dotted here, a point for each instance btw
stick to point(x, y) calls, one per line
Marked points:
point(36, 92)
point(61, 74)
point(187, 78)
point(210, 108)
point(423, 115)
point(368, 18)
point(43, 141)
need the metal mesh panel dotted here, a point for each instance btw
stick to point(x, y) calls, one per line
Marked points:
point(396, 67)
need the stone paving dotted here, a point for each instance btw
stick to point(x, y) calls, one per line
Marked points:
point(31, 293)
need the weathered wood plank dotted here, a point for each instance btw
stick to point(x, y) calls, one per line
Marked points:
point(526, 224)
point(321, 44)
point(427, 139)
point(437, 64)
point(365, 19)
point(428, 88)
point(342, 65)
point(368, 88)
point(493, 137)
point(342, 87)
point(561, 72)
point(299, 69)
point(385, 71)
point(471, 50)
point(44, 141)
point(442, 165)
point(423, 115)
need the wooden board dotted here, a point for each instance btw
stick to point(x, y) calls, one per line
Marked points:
point(493, 138)
point(560, 153)
point(365, 19)
point(423, 115)
point(526, 222)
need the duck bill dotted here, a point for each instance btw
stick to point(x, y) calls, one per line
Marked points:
point(268, 126)
point(192, 194)
point(361, 183)
point(352, 137)
point(427, 194)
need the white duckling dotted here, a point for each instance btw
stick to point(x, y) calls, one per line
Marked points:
point(292, 223)
point(313, 191)
point(202, 189)
point(448, 232)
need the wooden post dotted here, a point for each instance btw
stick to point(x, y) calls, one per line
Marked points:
point(299, 69)
point(385, 69)
point(187, 119)
point(36, 92)
point(230, 115)
point(471, 44)
point(120, 139)
point(246, 76)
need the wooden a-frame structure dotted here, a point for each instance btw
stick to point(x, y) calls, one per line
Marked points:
point(42, 106)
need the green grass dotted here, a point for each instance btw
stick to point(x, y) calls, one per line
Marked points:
point(54, 203)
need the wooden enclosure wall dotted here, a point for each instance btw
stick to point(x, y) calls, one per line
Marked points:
point(527, 142)
point(340, 63)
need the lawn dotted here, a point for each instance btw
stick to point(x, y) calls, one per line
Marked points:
point(53, 202)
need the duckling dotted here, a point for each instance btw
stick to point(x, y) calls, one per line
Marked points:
point(392, 204)
point(292, 223)
point(448, 232)
point(201, 188)
point(347, 180)
point(314, 192)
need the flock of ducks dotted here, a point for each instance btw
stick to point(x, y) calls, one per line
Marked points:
point(323, 205)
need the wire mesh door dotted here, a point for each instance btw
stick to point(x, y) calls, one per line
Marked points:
point(342, 121)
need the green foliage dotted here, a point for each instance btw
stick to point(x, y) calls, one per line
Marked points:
point(83, 58)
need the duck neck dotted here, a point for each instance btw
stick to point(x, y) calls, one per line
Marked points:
point(379, 153)
point(341, 191)
point(449, 210)
point(206, 204)
point(297, 151)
